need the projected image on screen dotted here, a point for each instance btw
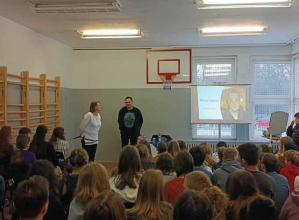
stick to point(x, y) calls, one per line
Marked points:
point(220, 104)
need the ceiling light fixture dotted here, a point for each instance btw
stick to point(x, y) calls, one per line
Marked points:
point(102, 34)
point(231, 31)
point(220, 4)
point(77, 7)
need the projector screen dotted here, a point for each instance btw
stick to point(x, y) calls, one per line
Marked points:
point(220, 104)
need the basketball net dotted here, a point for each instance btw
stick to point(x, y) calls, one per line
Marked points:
point(167, 79)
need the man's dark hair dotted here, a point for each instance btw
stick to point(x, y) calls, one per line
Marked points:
point(296, 115)
point(221, 144)
point(129, 97)
point(270, 161)
point(30, 196)
point(198, 154)
point(25, 131)
point(249, 152)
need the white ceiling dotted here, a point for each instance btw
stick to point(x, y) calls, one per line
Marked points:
point(163, 22)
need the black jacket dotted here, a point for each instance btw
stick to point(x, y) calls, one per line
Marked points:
point(133, 123)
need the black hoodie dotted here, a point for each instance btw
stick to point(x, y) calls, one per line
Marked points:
point(130, 121)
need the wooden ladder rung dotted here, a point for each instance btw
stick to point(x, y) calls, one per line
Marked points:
point(36, 85)
point(16, 105)
point(35, 111)
point(34, 78)
point(1, 120)
point(53, 110)
point(14, 75)
point(16, 112)
point(1, 113)
point(51, 80)
point(1, 81)
point(17, 127)
point(55, 87)
point(16, 119)
point(34, 118)
point(52, 103)
point(36, 104)
point(52, 116)
point(34, 125)
point(16, 83)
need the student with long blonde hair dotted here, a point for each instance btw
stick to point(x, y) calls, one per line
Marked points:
point(173, 148)
point(93, 179)
point(149, 204)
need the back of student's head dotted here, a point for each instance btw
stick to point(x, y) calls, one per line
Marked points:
point(79, 157)
point(31, 197)
point(105, 206)
point(182, 145)
point(25, 131)
point(142, 150)
point(183, 163)
point(265, 148)
point(197, 180)
point(173, 148)
point(198, 155)
point(221, 144)
point(290, 146)
point(93, 179)
point(22, 142)
point(249, 152)
point(165, 163)
point(145, 142)
point(283, 141)
point(58, 132)
point(230, 154)
point(240, 185)
point(162, 147)
point(193, 205)
point(221, 152)
point(292, 156)
point(270, 162)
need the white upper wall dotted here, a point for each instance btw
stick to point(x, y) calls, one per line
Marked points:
point(22, 49)
point(103, 69)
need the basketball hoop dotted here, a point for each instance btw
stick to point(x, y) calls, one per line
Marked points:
point(167, 79)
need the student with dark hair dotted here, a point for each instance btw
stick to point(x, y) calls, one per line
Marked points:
point(25, 131)
point(183, 164)
point(6, 147)
point(218, 145)
point(199, 155)
point(182, 145)
point(31, 198)
point(149, 203)
point(193, 205)
point(165, 164)
point(173, 148)
point(22, 155)
point(90, 127)
point(220, 156)
point(209, 162)
point(59, 142)
point(129, 173)
point(130, 121)
point(229, 165)
point(105, 206)
point(146, 162)
point(45, 169)
point(291, 170)
point(161, 148)
point(249, 158)
point(245, 200)
point(42, 149)
point(269, 165)
point(293, 131)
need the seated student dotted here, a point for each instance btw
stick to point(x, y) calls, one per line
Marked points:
point(229, 165)
point(199, 181)
point(293, 131)
point(269, 165)
point(145, 142)
point(209, 162)
point(129, 174)
point(249, 158)
point(105, 206)
point(165, 164)
point(78, 158)
point(149, 204)
point(290, 210)
point(280, 153)
point(218, 145)
point(59, 142)
point(22, 155)
point(6, 148)
point(183, 164)
point(42, 149)
point(292, 167)
point(31, 198)
point(173, 148)
point(220, 156)
point(161, 148)
point(193, 205)
point(245, 200)
point(182, 145)
point(265, 148)
point(25, 131)
point(93, 179)
point(146, 162)
point(199, 155)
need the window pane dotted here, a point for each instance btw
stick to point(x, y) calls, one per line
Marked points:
point(212, 130)
point(262, 114)
point(272, 78)
point(214, 73)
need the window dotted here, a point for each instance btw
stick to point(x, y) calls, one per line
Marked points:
point(215, 70)
point(271, 91)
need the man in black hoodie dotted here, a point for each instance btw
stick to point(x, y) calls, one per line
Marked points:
point(130, 121)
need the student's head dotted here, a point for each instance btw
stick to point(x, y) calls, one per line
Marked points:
point(165, 163)
point(241, 185)
point(129, 167)
point(58, 132)
point(269, 162)
point(40, 134)
point(45, 169)
point(183, 163)
point(249, 154)
point(78, 158)
point(105, 206)
point(221, 152)
point(95, 106)
point(193, 205)
point(173, 148)
point(265, 148)
point(6, 134)
point(207, 147)
point(230, 154)
point(93, 179)
point(197, 180)
point(221, 144)
point(142, 150)
point(162, 147)
point(31, 198)
point(25, 131)
point(198, 155)
point(290, 146)
point(283, 141)
point(233, 100)
point(296, 116)
point(182, 145)
point(129, 102)
point(292, 157)
point(22, 142)
point(145, 142)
